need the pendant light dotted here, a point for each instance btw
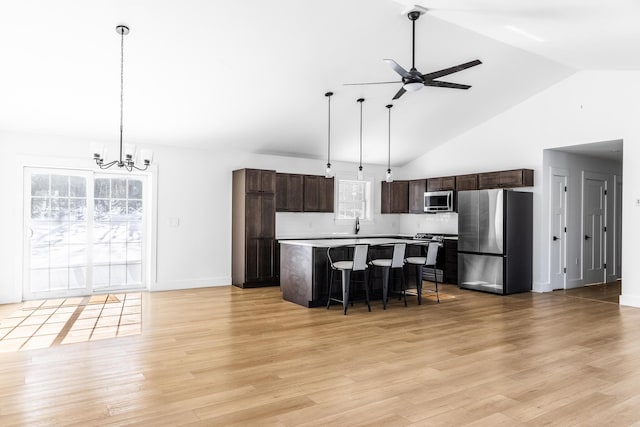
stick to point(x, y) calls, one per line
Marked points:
point(389, 177)
point(128, 161)
point(329, 172)
point(360, 172)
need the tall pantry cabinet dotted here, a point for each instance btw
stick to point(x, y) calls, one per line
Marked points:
point(253, 228)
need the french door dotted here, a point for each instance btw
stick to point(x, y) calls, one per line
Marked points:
point(84, 232)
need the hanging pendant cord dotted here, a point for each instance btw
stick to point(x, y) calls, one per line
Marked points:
point(360, 101)
point(121, 85)
point(389, 151)
point(329, 133)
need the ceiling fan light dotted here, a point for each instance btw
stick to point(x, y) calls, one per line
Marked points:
point(413, 86)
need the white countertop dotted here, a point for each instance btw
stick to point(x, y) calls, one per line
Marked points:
point(332, 243)
point(343, 236)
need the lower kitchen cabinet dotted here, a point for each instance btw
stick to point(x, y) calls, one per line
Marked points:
point(450, 249)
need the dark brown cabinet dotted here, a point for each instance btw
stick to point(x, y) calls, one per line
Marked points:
point(289, 191)
point(450, 249)
point(260, 181)
point(318, 193)
point(253, 228)
point(506, 179)
point(417, 187)
point(467, 182)
point(441, 183)
point(394, 197)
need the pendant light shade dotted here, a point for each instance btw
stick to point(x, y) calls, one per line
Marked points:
point(329, 172)
point(389, 177)
point(360, 171)
point(127, 152)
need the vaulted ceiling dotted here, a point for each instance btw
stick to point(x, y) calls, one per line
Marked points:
point(252, 75)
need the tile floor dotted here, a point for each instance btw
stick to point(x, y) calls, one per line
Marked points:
point(41, 324)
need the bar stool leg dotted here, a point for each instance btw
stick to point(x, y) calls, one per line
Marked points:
point(403, 288)
point(385, 286)
point(346, 284)
point(366, 288)
point(419, 283)
point(330, 289)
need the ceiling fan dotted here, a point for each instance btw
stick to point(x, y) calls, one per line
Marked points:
point(413, 80)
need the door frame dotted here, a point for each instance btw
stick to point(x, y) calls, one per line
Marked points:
point(565, 174)
point(605, 239)
point(150, 199)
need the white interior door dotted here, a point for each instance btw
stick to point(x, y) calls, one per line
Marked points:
point(558, 211)
point(593, 229)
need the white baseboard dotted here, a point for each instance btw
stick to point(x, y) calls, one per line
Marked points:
point(190, 284)
point(541, 287)
point(630, 300)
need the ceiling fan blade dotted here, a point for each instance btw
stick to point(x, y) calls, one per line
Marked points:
point(399, 93)
point(397, 68)
point(373, 83)
point(451, 70)
point(446, 84)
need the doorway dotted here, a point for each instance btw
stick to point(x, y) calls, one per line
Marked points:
point(594, 227)
point(84, 233)
point(558, 228)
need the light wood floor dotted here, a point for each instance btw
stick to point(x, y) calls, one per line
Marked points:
point(228, 356)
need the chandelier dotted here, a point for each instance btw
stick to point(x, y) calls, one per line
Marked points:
point(127, 161)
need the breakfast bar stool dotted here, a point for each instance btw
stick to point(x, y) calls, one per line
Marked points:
point(358, 263)
point(428, 261)
point(388, 265)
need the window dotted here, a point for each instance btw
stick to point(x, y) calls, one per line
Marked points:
point(354, 199)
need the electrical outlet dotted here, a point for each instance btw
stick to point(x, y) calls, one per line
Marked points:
point(638, 203)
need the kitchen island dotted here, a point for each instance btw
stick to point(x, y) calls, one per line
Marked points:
point(304, 266)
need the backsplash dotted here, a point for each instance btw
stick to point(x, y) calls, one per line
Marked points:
point(445, 223)
point(290, 225)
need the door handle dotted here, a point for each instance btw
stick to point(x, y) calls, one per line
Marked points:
point(555, 238)
point(586, 237)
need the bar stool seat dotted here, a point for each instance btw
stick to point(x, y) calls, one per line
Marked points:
point(420, 263)
point(346, 267)
point(396, 262)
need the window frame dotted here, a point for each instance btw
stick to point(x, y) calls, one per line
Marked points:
point(368, 199)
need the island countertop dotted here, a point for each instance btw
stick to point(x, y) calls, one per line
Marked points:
point(332, 243)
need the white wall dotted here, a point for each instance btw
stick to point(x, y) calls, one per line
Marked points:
point(194, 187)
point(589, 106)
point(575, 165)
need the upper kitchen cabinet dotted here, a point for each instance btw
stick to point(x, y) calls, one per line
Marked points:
point(395, 197)
point(318, 193)
point(467, 182)
point(441, 183)
point(506, 179)
point(289, 191)
point(417, 187)
point(260, 181)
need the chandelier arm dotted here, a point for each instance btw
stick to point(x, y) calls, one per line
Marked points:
point(140, 169)
point(107, 165)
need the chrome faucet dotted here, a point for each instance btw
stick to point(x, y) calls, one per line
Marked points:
point(357, 224)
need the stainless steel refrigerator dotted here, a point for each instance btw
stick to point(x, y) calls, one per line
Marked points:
point(495, 240)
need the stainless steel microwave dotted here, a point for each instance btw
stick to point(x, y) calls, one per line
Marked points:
point(438, 201)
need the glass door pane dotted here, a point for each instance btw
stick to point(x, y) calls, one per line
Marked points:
point(57, 258)
point(118, 232)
